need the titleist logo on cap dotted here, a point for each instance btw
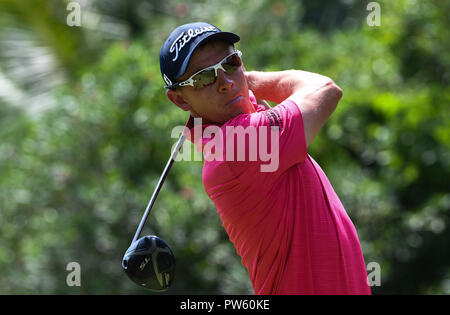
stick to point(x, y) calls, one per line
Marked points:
point(183, 39)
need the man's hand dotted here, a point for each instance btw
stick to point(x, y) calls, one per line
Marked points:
point(317, 96)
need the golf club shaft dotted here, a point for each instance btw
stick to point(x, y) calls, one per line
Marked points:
point(158, 187)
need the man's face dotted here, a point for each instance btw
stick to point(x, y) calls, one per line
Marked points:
point(226, 98)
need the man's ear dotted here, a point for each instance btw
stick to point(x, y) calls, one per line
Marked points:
point(176, 97)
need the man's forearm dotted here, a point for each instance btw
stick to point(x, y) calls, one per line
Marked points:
point(317, 96)
point(279, 85)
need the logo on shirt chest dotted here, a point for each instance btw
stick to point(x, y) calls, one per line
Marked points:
point(234, 143)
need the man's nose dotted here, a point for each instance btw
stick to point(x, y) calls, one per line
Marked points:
point(224, 82)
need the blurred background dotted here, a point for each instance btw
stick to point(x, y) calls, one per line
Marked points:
point(85, 132)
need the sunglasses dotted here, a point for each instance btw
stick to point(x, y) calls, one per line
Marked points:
point(208, 76)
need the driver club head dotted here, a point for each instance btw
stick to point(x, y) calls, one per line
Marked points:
point(150, 263)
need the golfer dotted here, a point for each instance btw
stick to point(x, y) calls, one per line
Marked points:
point(287, 223)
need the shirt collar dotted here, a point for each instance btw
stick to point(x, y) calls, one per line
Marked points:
point(195, 135)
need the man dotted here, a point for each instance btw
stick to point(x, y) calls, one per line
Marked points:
point(287, 224)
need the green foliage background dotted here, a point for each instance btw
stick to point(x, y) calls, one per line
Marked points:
point(85, 131)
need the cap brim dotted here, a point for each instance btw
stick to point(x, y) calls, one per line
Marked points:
point(226, 36)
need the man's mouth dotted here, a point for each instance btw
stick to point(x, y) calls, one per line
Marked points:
point(234, 100)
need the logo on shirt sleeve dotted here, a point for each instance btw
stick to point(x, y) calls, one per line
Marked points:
point(274, 118)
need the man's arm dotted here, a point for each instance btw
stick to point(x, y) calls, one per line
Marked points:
point(317, 96)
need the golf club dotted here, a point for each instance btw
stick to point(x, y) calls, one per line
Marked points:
point(149, 262)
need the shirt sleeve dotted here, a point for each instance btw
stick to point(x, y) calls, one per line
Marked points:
point(280, 139)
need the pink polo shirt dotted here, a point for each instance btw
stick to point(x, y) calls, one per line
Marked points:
point(287, 224)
